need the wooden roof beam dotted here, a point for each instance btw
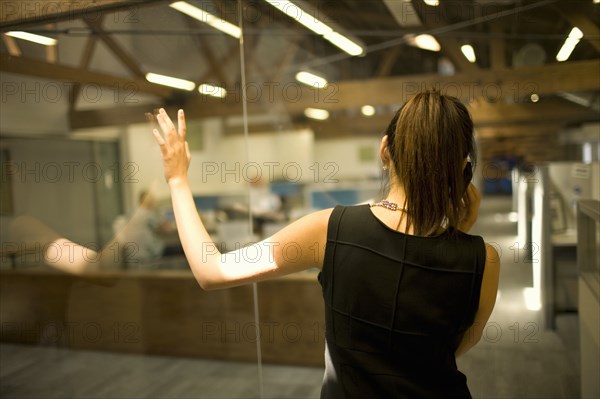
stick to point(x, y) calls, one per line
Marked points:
point(387, 61)
point(27, 13)
point(11, 45)
point(51, 51)
point(205, 48)
point(30, 67)
point(537, 130)
point(514, 84)
point(117, 49)
point(546, 114)
point(84, 63)
point(497, 50)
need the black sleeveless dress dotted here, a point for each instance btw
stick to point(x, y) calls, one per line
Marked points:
point(396, 308)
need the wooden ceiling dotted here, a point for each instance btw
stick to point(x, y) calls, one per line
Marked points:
point(515, 42)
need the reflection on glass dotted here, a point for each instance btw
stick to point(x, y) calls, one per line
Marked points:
point(93, 274)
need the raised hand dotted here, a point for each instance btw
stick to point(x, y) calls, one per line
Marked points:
point(174, 149)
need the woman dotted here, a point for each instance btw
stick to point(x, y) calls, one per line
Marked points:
point(406, 289)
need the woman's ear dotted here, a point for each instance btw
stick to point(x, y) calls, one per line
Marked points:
point(384, 153)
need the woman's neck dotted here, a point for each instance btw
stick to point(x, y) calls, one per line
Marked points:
point(396, 195)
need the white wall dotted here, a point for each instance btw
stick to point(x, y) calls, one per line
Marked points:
point(222, 166)
point(344, 155)
point(283, 155)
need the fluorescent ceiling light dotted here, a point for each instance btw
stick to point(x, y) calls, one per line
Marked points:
point(569, 45)
point(368, 110)
point(468, 52)
point(207, 18)
point(170, 81)
point(311, 79)
point(344, 43)
point(293, 11)
point(210, 90)
point(316, 113)
point(432, 2)
point(46, 41)
point(319, 27)
point(425, 42)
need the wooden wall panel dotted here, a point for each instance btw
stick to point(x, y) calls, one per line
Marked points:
point(165, 314)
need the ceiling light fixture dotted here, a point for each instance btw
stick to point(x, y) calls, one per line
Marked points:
point(368, 110)
point(316, 113)
point(425, 42)
point(311, 79)
point(46, 41)
point(207, 18)
point(569, 45)
point(433, 3)
point(468, 52)
point(170, 81)
point(213, 91)
point(319, 27)
point(344, 43)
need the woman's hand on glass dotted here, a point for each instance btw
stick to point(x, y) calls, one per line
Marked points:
point(174, 149)
point(471, 200)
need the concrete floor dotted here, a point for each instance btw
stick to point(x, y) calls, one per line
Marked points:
point(515, 359)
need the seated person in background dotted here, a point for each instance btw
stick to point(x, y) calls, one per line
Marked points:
point(141, 235)
point(264, 202)
point(265, 205)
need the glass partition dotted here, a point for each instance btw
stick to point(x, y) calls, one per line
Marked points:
point(310, 152)
point(97, 298)
point(286, 103)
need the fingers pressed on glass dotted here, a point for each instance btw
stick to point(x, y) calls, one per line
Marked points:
point(181, 123)
point(171, 132)
point(168, 121)
point(162, 123)
point(159, 139)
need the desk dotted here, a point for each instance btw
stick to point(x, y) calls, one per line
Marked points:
point(163, 312)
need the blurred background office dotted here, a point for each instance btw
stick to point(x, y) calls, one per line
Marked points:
point(282, 123)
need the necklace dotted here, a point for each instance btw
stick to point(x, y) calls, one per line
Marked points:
point(392, 206)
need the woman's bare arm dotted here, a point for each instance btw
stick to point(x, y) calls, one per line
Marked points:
point(298, 246)
point(487, 300)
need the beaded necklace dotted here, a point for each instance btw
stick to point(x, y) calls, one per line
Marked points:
point(392, 206)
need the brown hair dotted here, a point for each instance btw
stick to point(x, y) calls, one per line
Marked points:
point(428, 140)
